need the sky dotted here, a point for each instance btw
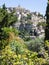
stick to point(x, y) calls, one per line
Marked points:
point(32, 5)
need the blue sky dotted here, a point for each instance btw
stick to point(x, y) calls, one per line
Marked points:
point(32, 5)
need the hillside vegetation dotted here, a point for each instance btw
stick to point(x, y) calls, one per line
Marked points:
point(15, 50)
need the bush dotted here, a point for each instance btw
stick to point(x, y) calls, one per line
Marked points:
point(7, 57)
point(8, 29)
point(35, 45)
point(16, 54)
point(17, 46)
point(47, 43)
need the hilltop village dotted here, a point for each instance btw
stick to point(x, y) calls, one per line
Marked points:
point(32, 22)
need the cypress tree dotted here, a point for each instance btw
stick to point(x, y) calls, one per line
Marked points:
point(47, 22)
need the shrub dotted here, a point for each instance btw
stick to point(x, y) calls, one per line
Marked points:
point(35, 45)
point(17, 46)
point(8, 29)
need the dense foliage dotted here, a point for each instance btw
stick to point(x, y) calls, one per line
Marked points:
point(6, 20)
point(17, 51)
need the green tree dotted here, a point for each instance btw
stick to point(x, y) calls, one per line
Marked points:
point(6, 20)
point(47, 23)
point(4, 7)
point(28, 16)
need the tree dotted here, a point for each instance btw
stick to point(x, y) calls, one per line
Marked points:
point(28, 16)
point(47, 23)
point(4, 7)
point(6, 20)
